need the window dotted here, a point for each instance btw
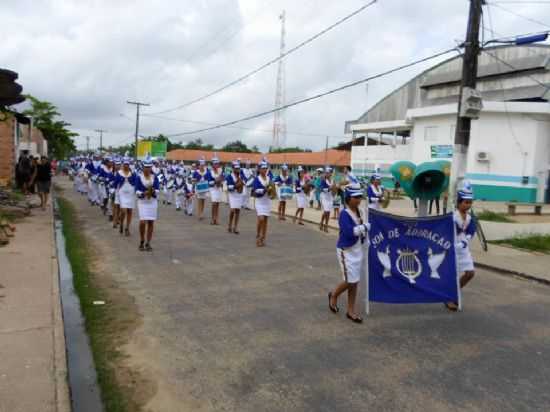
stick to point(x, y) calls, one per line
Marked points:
point(430, 133)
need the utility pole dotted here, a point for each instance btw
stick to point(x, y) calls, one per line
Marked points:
point(138, 105)
point(279, 117)
point(88, 144)
point(100, 131)
point(468, 83)
point(326, 150)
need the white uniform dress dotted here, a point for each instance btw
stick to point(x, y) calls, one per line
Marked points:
point(352, 259)
point(374, 202)
point(126, 192)
point(147, 208)
point(216, 193)
point(464, 260)
point(202, 178)
point(263, 204)
point(301, 198)
point(327, 199)
point(235, 198)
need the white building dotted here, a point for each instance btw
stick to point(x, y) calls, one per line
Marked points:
point(509, 156)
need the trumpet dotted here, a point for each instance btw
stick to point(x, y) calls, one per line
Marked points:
point(149, 192)
point(307, 187)
point(335, 188)
point(271, 190)
point(219, 181)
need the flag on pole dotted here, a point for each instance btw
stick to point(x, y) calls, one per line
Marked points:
point(412, 260)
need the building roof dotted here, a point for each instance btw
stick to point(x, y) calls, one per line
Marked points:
point(505, 73)
point(330, 157)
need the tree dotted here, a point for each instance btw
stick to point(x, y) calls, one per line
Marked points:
point(288, 150)
point(198, 144)
point(236, 146)
point(59, 137)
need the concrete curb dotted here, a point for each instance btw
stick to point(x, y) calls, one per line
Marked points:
point(508, 272)
point(62, 392)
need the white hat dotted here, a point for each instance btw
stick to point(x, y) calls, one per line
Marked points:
point(466, 193)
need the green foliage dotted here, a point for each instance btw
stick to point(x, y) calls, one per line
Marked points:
point(236, 146)
point(537, 243)
point(198, 144)
point(45, 117)
point(162, 138)
point(493, 216)
point(289, 150)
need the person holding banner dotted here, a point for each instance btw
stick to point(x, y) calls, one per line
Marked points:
point(465, 231)
point(215, 179)
point(201, 186)
point(147, 190)
point(351, 251)
point(262, 190)
point(284, 190)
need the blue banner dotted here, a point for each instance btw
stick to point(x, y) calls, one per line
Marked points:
point(412, 260)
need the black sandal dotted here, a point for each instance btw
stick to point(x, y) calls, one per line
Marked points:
point(335, 308)
point(354, 319)
point(141, 247)
point(148, 247)
point(451, 308)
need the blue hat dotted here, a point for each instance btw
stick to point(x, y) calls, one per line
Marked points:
point(118, 162)
point(466, 193)
point(202, 161)
point(263, 164)
point(126, 160)
point(148, 162)
point(215, 159)
point(236, 164)
point(353, 190)
point(376, 176)
point(284, 167)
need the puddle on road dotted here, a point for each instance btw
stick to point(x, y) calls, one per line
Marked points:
point(85, 394)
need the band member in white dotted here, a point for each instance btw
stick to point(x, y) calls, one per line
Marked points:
point(179, 189)
point(125, 181)
point(301, 197)
point(248, 178)
point(263, 190)
point(189, 196)
point(147, 190)
point(326, 198)
point(283, 183)
point(351, 251)
point(200, 178)
point(215, 179)
point(465, 231)
point(235, 187)
point(375, 191)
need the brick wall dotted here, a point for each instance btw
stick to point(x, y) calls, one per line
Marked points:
point(7, 152)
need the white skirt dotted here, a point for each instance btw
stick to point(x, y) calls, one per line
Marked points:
point(148, 209)
point(464, 260)
point(127, 198)
point(327, 201)
point(352, 261)
point(235, 200)
point(117, 198)
point(263, 206)
point(216, 194)
point(301, 200)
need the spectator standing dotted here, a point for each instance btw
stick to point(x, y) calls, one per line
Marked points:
point(43, 180)
point(32, 178)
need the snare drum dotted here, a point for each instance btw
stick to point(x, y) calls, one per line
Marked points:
point(202, 187)
point(286, 192)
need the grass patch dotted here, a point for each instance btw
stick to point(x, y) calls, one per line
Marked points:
point(108, 326)
point(536, 243)
point(493, 216)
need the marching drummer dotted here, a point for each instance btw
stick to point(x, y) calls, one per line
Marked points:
point(284, 190)
point(201, 186)
point(147, 190)
point(326, 198)
point(125, 181)
point(215, 179)
point(301, 186)
point(189, 196)
point(375, 191)
point(465, 231)
point(262, 190)
point(235, 187)
point(351, 251)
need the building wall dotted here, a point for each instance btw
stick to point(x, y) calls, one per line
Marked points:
point(7, 152)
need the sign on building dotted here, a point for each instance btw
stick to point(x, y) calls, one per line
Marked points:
point(442, 151)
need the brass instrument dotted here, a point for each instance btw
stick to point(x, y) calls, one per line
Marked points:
point(271, 190)
point(218, 182)
point(149, 192)
point(239, 184)
point(385, 201)
point(307, 187)
point(335, 188)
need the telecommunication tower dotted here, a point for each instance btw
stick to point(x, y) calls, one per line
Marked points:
point(279, 119)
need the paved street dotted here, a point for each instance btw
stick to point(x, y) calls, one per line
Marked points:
point(231, 327)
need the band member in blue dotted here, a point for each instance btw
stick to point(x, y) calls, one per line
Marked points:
point(351, 251)
point(125, 182)
point(263, 190)
point(465, 231)
point(235, 187)
point(300, 187)
point(201, 189)
point(147, 190)
point(114, 193)
point(375, 191)
point(283, 183)
point(215, 179)
point(327, 201)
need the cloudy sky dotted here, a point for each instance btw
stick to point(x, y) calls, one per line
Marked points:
point(89, 57)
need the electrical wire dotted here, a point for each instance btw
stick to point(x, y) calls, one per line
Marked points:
point(541, 23)
point(271, 62)
point(317, 96)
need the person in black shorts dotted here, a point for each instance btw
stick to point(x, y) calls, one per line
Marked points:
point(43, 180)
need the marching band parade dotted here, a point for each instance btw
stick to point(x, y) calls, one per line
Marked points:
point(117, 184)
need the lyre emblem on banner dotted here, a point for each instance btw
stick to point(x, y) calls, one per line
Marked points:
point(408, 264)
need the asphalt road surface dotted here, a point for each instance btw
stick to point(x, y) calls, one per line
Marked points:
point(231, 327)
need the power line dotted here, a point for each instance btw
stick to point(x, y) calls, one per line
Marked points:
point(521, 2)
point(317, 96)
point(541, 23)
point(269, 63)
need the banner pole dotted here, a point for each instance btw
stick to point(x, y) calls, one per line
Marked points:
point(366, 269)
point(457, 273)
